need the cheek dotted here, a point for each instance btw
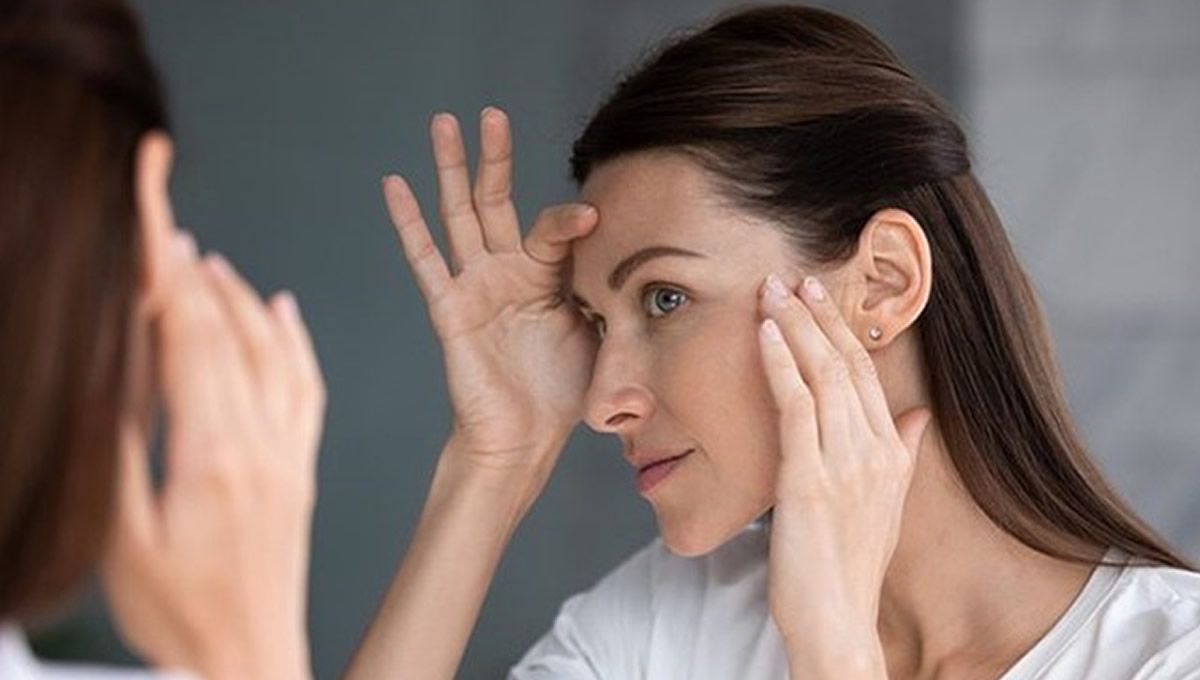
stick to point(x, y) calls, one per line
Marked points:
point(714, 386)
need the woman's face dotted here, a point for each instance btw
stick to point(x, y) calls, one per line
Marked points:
point(670, 277)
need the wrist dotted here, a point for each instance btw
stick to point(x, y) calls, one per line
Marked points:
point(269, 659)
point(508, 481)
point(842, 659)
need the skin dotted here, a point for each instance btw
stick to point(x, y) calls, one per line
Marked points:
point(209, 572)
point(653, 365)
point(881, 565)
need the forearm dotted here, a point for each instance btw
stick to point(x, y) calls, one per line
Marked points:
point(430, 609)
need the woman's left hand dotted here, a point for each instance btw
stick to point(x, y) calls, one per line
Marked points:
point(843, 478)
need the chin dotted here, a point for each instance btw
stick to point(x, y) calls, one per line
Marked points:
point(690, 548)
point(696, 539)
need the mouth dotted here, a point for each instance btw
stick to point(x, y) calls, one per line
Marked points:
point(655, 473)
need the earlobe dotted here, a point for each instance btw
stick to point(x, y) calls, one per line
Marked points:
point(155, 221)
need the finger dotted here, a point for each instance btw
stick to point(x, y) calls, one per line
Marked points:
point(255, 334)
point(549, 240)
point(820, 365)
point(863, 374)
point(454, 190)
point(800, 438)
point(308, 407)
point(493, 183)
point(206, 386)
point(427, 264)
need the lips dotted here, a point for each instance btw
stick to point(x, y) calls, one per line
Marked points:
point(642, 458)
point(657, 468)
point(660, 461)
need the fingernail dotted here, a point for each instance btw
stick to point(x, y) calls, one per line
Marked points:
point(285, 302)
point(583, 210)
point(220, 265)
point(770, 331)
point(776, 292)
point(814, 288)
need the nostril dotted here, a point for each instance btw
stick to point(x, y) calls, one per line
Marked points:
point(618, 419)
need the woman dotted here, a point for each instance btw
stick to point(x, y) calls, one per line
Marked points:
point(107, 316)
point(788, 296)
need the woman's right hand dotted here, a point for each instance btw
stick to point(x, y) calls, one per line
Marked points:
point(209, 572)
point(518, 355)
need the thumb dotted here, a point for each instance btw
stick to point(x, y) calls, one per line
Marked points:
point(911, 426)
point(549, 240)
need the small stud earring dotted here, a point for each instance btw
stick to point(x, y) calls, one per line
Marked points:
point(875, 333)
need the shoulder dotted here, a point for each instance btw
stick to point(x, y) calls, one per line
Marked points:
point(1168, 596)
point(1150, 625)
point(1162, 612)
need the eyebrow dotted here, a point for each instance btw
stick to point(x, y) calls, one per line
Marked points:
point(621, 273)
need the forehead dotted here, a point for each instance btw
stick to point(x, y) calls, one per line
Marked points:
point(663, 198)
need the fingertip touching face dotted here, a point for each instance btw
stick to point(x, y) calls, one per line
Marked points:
point(670, 280)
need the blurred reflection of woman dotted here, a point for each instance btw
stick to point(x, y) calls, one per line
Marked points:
point(106, 311)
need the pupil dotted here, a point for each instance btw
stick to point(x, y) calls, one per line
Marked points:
point(667, 299)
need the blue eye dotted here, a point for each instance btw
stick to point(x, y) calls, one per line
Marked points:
point(660, 301)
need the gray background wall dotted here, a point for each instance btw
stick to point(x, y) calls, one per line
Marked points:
point(1088, 122)
point(287, 114)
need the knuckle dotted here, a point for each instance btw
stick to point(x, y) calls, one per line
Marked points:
point(833, 371)
point(491, 197)
point(454, 209)
point(874, 462)
point(219, 471)
point(309, 384)
point(862, 363)
point(422, 249)
point(191, 308)
point(282, 483)
point(797, 402)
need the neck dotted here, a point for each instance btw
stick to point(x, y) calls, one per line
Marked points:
point(959, 590)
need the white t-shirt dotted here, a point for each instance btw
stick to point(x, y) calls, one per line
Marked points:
point(17, 662)
point(660, 616)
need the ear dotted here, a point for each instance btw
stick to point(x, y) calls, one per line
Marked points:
point(156, 221)
point(895, 271)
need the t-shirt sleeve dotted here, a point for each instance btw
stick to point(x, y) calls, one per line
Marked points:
point(600, 633)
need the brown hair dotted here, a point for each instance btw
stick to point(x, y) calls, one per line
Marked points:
point(808, 118)
point(77, 91)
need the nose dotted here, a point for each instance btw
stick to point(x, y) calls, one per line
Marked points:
point(617, 400)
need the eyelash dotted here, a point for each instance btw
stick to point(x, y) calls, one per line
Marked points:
point(648, 295)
